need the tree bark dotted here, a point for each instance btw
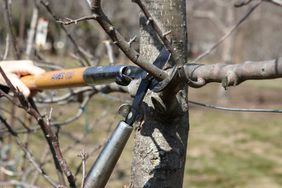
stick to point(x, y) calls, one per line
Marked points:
point(232, 74)
point(161, 137)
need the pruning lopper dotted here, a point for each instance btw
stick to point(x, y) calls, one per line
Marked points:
point(87, 76)
point(102, 168)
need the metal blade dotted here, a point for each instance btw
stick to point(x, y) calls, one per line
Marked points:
point(162, 58)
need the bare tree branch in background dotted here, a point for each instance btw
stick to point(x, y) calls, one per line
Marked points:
point(68, 21)
point(84, 60)
point(6, 52)
point(28, 154)
point(240, 3)
point(207, 52)
point(83, 157)
point(10, 28)
point(31, 31)
point(256, 110)
point(110, 51)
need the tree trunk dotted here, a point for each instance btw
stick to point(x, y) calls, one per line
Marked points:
point(161, 138)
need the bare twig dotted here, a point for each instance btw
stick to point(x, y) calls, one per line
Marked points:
point(6, 53)
point(87, 91)
point(43, 157)
point(240, 3)
point(30, 107)
point(10, 28)
point(83, 157)
point(236, 109)
point(10, 98)
point(68, 21)
point(28, 154)
point(77, 115)
point(133, 39)
point(95, 149)
point(17, 118)
point(74, 96)
point(10, 129)
point(53, 142)
point(110, 51)
point(85, 61)
point(31, 32)
point(36, 165)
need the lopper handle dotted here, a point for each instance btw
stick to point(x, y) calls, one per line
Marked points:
point(56, 79)
point(76, 77)
point(101, 170)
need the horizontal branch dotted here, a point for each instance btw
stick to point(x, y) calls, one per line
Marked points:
point(199, 75)
point(240, 3)
point(73, 95)
point(214, 107)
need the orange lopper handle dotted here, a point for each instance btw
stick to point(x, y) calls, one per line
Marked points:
point(56, 79)
point(76, 77)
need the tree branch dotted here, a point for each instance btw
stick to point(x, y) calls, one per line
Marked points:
point(110, 52)
point(9, 128)
point(240, 3)
point(76, 46)
point(85, 91)
point(68, 21)
point(6, 52)
point(28, 154)
point(10, 28)
point(120, 41)
point(232, 75)
point(83, 157)
point(235, 109)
